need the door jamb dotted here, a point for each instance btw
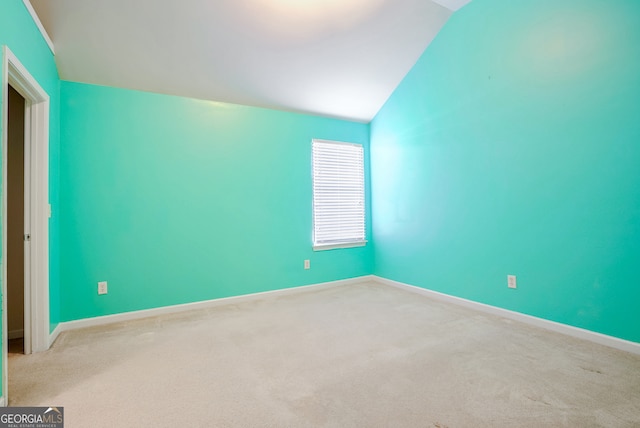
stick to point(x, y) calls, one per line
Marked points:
point(37, 143)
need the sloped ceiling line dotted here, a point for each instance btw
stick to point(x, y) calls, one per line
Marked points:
point(334, 58)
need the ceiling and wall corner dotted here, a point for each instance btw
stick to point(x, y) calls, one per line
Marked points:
point(452, 4)
point(36, 20)
point(334, 58)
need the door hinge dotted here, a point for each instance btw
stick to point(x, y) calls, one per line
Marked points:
point(27, 237)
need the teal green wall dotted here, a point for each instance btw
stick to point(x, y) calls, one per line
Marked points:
point(174, 200)
point(513, 147)
point(20, 34)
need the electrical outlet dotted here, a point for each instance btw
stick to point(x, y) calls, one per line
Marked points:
point(307, 264)
point(511, 281)
point(102, 287)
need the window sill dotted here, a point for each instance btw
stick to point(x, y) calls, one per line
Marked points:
point(339, 246)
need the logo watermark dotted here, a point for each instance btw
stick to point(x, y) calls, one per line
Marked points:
point(31, 417)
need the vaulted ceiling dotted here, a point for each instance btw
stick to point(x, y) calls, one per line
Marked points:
point(336, 58)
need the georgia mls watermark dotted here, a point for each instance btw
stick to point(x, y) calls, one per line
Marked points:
point(31, 417)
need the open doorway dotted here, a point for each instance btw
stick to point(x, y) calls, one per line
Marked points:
point(36, 213)
point(15, 220)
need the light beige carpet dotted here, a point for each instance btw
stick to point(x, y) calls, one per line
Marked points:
point(363, 355)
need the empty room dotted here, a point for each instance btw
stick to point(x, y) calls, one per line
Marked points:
point(320, 213)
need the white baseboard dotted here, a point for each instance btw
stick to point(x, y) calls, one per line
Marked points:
point(602, 339)
point(2, 402)
point(15, 334)
point(580, 333)
point(54, 334)
point(134, 315)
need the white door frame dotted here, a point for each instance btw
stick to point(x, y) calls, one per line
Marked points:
point(37, 209)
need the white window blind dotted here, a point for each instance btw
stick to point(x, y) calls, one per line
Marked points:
point(338, 194)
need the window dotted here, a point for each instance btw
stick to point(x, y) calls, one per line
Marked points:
point(338, 195)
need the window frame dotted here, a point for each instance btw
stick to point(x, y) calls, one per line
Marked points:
point(346, 244)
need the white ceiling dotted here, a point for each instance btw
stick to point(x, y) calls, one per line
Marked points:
point(337, 58)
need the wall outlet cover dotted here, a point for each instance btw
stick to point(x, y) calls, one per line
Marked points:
point(102, 287)
point(511, 281)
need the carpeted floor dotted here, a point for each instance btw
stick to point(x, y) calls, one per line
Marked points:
point(363, 355)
